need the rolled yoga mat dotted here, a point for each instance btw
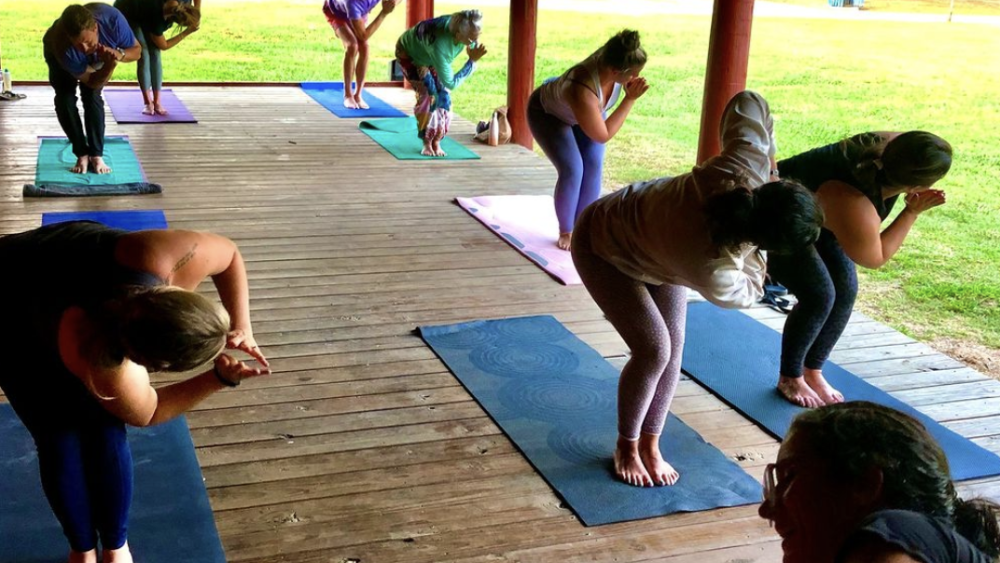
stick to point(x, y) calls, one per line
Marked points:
point(126, 106)
point(54, 179)
point(737, 359)
point(331, 96)
point(399, 137)
point(555, 398)
point(529, 224)
point(129, 220)
point(171, 519)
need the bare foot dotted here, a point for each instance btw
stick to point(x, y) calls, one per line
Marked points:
point(82, 165)
point(565, 239)
point(428, 150)
point(661, 472)
point(159, 109)
point(815, 380)
point(148, 109)
point(349, 103)
point(120, 555)
point(437, 148)
point(82, 556)
point(99, 166)
point(798, 392)
point(628, 464)
point(359, 101)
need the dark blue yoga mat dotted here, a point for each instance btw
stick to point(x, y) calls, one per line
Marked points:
point(171, 518)
point(555, 397)
point(130, 220)
point(331, 96)
point(737, 359)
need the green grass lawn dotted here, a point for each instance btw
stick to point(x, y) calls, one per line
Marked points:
point(824, 80)
point(961, 7)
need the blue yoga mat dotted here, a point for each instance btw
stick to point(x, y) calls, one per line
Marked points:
point(171, 518)
point(737, 359)
point(555, 397)
point(137, 220)
point(331, 96)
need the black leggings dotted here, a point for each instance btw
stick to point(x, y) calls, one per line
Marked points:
point(825, 281)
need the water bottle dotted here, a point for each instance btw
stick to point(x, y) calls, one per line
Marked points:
point(6, 80)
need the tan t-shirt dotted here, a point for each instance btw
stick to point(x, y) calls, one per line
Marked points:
point(656, 231)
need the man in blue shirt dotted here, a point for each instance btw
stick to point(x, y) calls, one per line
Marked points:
point(83, 47)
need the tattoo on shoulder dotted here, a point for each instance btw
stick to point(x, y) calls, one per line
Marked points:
point(184, 259)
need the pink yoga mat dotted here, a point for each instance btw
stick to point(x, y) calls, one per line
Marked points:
point(529, 224)
point(126, 106)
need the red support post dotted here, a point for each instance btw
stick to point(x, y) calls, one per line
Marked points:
point(418, 11)
point(521, 67)
point(726, 75)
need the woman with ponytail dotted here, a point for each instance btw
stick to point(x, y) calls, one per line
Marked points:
point(89, 313)
point(637, 249)
point(857, 182)
point(861, 483)
point(149, 20)
point(568, 117)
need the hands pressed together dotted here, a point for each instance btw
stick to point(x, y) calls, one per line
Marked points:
point(918, 202)
point(635, 87)
point(476, 53)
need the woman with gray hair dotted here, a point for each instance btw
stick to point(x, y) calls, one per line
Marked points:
point(425, 53)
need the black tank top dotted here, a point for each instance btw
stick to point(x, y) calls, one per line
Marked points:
point(924, 538)
point(815, 167)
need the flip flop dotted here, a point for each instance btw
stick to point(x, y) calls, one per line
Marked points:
point(11, 96)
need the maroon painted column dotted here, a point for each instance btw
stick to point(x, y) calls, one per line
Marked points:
point(521, 67)
point(418, 11)
point(726, 75)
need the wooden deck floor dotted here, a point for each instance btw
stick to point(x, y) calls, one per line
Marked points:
point(363, 447)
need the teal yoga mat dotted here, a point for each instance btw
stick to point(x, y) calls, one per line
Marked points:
point(399, 137)
point(55, 158)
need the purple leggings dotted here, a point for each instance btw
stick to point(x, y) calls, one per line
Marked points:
point(578, 159)
point(651, 320)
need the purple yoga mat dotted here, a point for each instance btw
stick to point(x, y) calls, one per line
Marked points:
point(529, 224)
point(126, 106)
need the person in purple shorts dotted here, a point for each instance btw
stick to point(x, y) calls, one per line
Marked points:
point(83, 47)
point(349, 20)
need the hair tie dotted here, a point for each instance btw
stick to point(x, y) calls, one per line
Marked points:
point(878, 163)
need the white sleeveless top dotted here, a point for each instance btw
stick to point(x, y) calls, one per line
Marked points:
point(554, 103)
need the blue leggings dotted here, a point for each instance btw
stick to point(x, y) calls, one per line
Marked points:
point(83, 457)
point(825, 282)
point(149, 67)
point(578, 159)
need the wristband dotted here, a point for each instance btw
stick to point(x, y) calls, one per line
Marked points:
point(223, 380)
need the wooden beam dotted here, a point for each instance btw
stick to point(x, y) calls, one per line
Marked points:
point(521, 67)
point(726, 75)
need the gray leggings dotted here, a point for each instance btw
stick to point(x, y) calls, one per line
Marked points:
point(651, 320)
point(149, 67)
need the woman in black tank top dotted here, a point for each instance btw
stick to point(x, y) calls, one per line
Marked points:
point(857, 181)
point(89, 312)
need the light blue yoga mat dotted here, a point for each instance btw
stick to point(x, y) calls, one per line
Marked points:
point(55, 158)
point(737, 359)
point(171, 519)
point(399, 137)
point(331, 96)
point(129, 220)
point(555, 397)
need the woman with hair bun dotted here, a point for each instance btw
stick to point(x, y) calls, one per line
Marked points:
point(859, 482)
point(637, 249)
point(568, 117)
point(89, 313)
point(425, 53)
point(857, 182)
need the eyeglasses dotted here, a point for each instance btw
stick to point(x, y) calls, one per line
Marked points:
point(770, 482)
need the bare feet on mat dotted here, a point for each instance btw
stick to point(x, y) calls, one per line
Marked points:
point(359, 101)
point(565, 239)
point(814, 379)
point(148, 109)
point(159, 109)
point(428, 149)
point(82, 165)
point(438, 151)
point(349, 102)
point(628, 464)
point(798, 392)
point(661, 472)
point(120, 555)
point(82, 556)
point(97, 163)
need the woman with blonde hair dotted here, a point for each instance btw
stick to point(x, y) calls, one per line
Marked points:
point(568, 117)
point(105, 309)
point(425, 52)
point(149, 20)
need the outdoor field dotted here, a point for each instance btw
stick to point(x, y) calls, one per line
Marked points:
point(824, 78)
